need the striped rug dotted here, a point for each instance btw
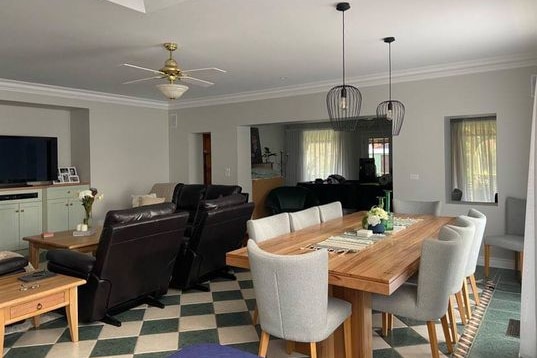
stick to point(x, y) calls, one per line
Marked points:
point(470, 330)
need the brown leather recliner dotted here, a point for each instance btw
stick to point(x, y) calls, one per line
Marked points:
point(133, 263)
point(219, 227)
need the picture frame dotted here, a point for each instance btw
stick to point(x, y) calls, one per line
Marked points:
point(65, 178)
point(63, 170)
point(72, 171)
point(74, 179)
point(255, 146)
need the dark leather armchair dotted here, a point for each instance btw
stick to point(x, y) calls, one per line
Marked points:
point(11, 262)
point(290, 199)
point(133, 263)
point(220, 226)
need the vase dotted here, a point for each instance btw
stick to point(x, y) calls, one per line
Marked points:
point(377, 229)
point(88, 218)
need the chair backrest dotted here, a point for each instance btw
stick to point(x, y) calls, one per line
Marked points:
point(440, 262)
point(416, 207)
point(466, 229)
point(290, 199)
point(515, 216)
point(220, 227)
point(480, 222)
point(138, 249)
point(330, 211)
point(304, 218)
point(291, 292)
point(266, 228)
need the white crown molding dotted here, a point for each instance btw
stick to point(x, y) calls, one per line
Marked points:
point(79, 94)
point(416, 74)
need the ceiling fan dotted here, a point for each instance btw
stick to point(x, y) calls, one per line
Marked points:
point(173, 73)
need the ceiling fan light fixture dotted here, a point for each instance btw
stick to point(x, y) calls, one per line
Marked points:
point(344, 101)
point(172, 90)
point(392, 110)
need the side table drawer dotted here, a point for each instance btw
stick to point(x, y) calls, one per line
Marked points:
point(35, 306)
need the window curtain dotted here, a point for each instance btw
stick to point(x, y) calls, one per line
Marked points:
point(528, 316)
point(473, 158)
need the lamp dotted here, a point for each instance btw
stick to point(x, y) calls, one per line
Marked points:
point(344, 101)
point(171, 90)
point(392, 110)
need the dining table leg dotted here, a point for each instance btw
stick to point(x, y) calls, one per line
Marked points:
point(361, 321)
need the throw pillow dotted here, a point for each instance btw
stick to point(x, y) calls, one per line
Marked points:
point(136, 198)
point(145, 200)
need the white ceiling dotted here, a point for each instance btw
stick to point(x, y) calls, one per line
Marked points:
point(264, 45)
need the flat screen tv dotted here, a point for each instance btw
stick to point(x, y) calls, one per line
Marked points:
point(27, 159)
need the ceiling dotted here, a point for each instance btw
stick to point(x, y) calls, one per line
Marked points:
point(263, 45)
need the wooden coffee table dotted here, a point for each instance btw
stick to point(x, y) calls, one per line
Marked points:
point(17, 303)
point(62, 240)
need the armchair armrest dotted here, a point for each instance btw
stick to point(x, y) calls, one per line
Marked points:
point(71, 263)
point(12, 264)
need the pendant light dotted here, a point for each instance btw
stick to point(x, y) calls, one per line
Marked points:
point(344, 101)
point(392, 110)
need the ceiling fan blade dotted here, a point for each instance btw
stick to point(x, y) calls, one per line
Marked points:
point(205, 69)
point(196, 81)
point(144, 68)
point(142, 79)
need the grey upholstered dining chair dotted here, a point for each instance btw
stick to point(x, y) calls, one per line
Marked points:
point(330, 211)
point(480, 222)
point(513, 239)
point(282, 283)
point(416, 207)
point(266, 228)
point(304, 218)
point(442, 260)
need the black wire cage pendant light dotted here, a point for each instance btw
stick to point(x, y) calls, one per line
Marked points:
point(392, 110)
point(344, 101)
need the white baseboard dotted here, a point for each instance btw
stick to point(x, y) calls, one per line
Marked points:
point(497, 262)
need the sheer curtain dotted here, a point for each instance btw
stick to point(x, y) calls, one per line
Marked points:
point(528, 316)
point(473, 158)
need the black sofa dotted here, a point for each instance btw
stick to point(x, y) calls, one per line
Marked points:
point(219, 227)
point(289, 199)
point(133, 263)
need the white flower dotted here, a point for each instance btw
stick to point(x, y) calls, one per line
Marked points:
point(373, 220)
point(85, 193)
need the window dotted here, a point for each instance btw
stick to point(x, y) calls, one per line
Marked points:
point(379, 149)
point(321, 155)
point(473, 159)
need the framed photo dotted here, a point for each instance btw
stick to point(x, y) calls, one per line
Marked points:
point(65, 178)
point(74, 179)
point(72, 171)
point(255, 146)
point(63, 170)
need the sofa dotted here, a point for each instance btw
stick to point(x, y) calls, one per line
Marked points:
point(219, 227)
point(133, 263)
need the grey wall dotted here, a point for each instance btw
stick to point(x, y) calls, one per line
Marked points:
point(419, 149)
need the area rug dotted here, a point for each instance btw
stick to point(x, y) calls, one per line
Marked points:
point(27, 324)
point(470, 330)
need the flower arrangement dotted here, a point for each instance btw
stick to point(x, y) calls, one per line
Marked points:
point(374, 217)
point(267, 154)
point(87, 197)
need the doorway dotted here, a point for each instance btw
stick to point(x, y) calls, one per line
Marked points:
point(207, 172)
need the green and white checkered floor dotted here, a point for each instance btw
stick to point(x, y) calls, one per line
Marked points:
point(222, 315)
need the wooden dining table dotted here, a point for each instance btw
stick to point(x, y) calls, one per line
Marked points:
point(380, 269)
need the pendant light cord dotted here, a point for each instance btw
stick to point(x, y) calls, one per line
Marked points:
point(390, 67)
point(343, 13)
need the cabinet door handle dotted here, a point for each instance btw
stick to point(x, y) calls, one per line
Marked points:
point(71, 204)
point(39, 306)
point(22, 210)
point(16, 211)
point(66, 204)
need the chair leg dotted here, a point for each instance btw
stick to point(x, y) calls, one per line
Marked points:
point(474, 289)
point(432, 339)
point(289, 347)
point(390, 321)
point(256, 316)
point(347, 337)
point(263, 344)
point(313, 350)
point(460, 307)
point(520, 256)
point(466, 297)
point(453, 321)
point(447, 335)
point(487, 260)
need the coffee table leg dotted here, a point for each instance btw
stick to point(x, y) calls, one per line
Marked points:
point(72, 314)
point(34, 255)
point(2, 332)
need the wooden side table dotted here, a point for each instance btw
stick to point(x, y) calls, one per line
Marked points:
point(21, 300)
point(61, 240)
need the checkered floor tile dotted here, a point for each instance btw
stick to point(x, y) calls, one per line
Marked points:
point(223, 315)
